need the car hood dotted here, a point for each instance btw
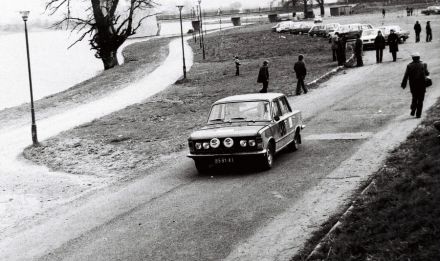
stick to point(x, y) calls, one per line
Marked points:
point(227, 130)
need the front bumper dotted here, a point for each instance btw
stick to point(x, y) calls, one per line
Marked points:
point(224, 155)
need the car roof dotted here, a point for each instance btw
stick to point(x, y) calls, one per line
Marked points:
point(250, 97)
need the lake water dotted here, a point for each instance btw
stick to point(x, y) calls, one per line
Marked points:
point(54, 67)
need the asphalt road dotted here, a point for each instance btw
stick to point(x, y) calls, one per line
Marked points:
point(172, 213)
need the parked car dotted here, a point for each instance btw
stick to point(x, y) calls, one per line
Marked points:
point(246, 126)
point(368, 36)
point(301, 28)
point(283, 27)
point(317, 30)
point(351, 30)
point(431, 10)
point(330, 28)
point(403, 35)
point(318, 19)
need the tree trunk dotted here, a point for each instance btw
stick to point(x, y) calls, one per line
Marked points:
point(321, 6)
point(109, 59)
point(305, 9)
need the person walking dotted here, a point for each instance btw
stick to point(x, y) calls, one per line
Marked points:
point(383, 13)
point(334, 41)
point(428, 32)
point(301, 72)
point(393, 42)
point(417, 30)
point(358, 48)
point(379, 45)
point(341, 51)
point(263, 76)
point(237, 66)
point(416, 73)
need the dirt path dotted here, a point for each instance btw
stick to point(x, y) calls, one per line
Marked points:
point(42, 189)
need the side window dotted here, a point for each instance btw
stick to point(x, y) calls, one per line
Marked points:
point(276, 109)
point(285, 107)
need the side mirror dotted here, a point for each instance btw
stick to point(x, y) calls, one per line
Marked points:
point(276, 118)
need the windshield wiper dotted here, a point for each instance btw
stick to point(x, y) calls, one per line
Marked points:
point(238, 118)
point(217, 120)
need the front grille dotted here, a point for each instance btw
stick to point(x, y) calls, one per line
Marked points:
point(236, 148)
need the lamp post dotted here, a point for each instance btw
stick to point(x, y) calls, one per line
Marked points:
point(201, 29)
point(181, 34)
point(25, 15)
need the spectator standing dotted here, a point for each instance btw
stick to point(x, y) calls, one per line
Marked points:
point(263, 76)
point(301, 72)
point(416, 73)
point(417, 30)
point(383, 13)
point(428, 32)
point(341, 51)
point(408, 11)
point(379, 45)
point(334, 41)
point(358, 48)
point(411, 10)
point(393, 42)
point(237, 66)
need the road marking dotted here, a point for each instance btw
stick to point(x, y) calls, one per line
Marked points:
point(340, 136)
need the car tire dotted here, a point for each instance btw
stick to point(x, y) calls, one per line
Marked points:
point(267, 161)
point(202, 165)
point(294, 144)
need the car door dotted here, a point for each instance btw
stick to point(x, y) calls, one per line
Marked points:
point(278, 128)
point(289, 119)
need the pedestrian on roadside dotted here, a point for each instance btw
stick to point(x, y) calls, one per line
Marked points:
point(408, 11)
point(379, 45)
point(411, 10)
point(334, 41)
point(383, 13)
point(416, 73)
point(237, 66)
point(393, 42)
point(301, 72)
point(358, 48)
point(428, 32)
point(263, 76)
point(341, 50)
point(417, 30)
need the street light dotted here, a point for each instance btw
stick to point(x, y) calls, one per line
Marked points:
point(181, 34)
point(25, 15)
point(201, 28)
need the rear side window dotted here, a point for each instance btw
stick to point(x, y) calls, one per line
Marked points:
point(284, 104)
point(276, 109)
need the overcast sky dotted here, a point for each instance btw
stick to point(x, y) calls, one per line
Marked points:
point(10, 8)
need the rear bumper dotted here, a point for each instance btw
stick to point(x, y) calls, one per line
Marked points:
point(234, 155)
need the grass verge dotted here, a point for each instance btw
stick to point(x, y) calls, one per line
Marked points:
point(127, 142)
point(398, 218)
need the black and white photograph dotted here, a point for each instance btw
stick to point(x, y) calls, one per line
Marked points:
point(233, 130)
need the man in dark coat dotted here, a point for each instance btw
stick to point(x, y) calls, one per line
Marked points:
point(417, 30)
point(358, 47)
point(263, 76)
point(428, 32)
point(379, 45)
point(416, 73)
point(393, 42)
point(341, 50)
point(383, 13)
point(301, 72)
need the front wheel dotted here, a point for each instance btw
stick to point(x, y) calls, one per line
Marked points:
point(202, 166)
point(267, 161)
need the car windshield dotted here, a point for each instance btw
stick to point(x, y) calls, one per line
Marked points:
point(240, 111)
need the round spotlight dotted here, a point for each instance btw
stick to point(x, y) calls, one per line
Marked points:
point(228, 142)
point(205, 145)
point(252, 143)
point(215, 143)
point(243, 143)
point(198, 146)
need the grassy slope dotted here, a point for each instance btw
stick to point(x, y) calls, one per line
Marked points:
point(399, 219)
point(127, 141)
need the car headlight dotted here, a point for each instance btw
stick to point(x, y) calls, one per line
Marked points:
point(205, 145)
point(243, 143)
point(198, 146)
point(252, 143)
point(215, 143)
point(228, 142)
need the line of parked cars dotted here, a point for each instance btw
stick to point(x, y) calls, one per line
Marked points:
point(431, 10)
point(367, 31)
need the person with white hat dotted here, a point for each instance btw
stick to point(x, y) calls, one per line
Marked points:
point(416, 73)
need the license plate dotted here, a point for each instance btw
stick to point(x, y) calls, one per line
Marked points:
point(224, 160)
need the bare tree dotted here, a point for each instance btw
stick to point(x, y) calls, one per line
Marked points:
point(305, 9)
point(321, 6)
point(108, 23)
